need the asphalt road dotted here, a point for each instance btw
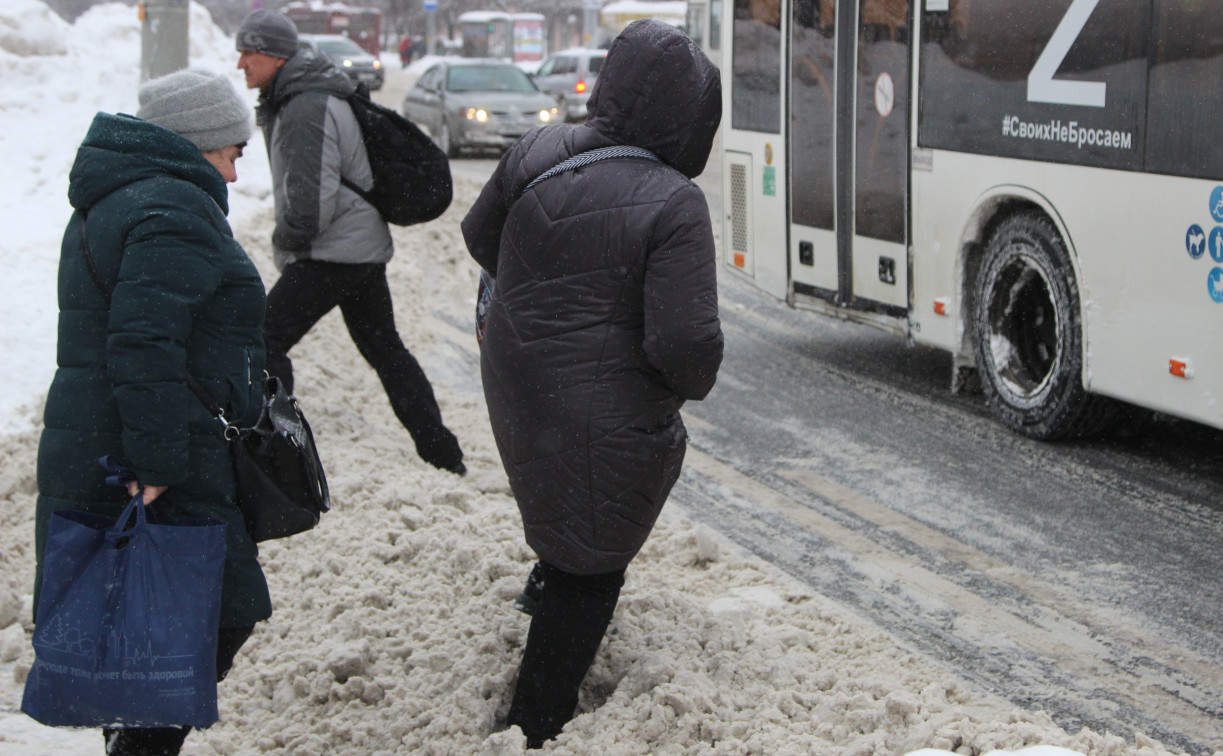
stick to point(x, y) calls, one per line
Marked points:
point(1085, 578)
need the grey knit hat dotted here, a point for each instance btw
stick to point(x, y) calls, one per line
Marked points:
point(267, 32)
point(200, 105)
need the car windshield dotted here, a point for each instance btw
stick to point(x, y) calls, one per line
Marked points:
point(340, 47)
point(488, 79)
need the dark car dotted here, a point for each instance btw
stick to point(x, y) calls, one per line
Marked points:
point(347, 55)
point(569, 75)
point(477, 102)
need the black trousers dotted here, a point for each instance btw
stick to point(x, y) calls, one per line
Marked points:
point(167, 741)
point(566, 629)
point(308, 290)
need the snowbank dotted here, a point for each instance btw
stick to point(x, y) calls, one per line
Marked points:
point(56, 76)
point(393, 630)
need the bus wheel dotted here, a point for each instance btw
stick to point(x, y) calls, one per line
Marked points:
point(1029, 335)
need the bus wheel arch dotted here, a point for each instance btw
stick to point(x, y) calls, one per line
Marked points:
point(1024, 316)
point(973, 241)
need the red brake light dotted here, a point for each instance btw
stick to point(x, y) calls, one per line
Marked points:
point(580, 87)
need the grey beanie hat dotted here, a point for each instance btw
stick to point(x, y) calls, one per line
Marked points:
point(200, 105)
point(266, 31)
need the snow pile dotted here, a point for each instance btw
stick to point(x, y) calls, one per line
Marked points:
point(56, 77)
point(393, 630)
point(29, 27)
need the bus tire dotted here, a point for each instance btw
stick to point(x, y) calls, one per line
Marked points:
point(1027, 327)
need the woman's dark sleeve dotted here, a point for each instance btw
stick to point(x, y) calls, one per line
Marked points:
point(683, 335)
point(483, 223)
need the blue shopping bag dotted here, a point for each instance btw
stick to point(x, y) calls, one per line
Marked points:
point(126, 629)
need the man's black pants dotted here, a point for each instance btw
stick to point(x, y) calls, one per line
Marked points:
point(567, 627)
point(168, 741)
point(308, 290)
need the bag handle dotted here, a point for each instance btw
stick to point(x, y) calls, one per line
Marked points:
point(593, 156)
point(120, 475)
point(133, 519)
point(360, 93)
point(196, 387)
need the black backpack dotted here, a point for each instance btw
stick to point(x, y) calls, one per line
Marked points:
point(411, 175)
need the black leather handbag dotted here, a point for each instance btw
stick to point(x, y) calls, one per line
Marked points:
point(282, 488)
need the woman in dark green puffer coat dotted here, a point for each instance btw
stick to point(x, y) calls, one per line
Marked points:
point(186, 300)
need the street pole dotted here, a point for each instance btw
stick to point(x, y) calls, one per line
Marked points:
point(590, 21)
point(163, 37)
point(430, 8)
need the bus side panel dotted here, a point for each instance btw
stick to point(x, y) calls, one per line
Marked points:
point(945, 193)
point(753, 138)
point(1147, 303)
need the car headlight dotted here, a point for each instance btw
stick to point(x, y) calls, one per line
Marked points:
point(377, 64)
point(547, 115)
point(347, 63)
point(474, 114)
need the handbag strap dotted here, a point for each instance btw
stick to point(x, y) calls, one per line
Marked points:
point(593, 156)
point(196, 387)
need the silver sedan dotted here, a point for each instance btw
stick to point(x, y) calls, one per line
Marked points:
point(476, 102)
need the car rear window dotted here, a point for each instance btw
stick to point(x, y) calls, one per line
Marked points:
point(595, 64)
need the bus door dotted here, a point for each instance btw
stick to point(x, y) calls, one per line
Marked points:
point(849, 152)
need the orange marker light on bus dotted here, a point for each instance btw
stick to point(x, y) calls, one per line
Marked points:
point(740, 260)
point(940, 306)
point(1180, 368)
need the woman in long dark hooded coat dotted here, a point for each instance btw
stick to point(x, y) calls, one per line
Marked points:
point(603, 322)
point(185, 300)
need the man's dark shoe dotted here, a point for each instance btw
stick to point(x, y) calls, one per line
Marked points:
point(443, 452)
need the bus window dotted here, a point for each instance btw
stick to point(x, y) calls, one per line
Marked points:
point(882, 162)
point(756, 99)
point(1185, 101)
point(813, 82)
point(988, 67)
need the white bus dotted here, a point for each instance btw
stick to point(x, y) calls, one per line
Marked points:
point(517, 37)
point(1035, 186)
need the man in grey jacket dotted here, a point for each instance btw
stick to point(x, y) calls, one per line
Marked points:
point(330, 245)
